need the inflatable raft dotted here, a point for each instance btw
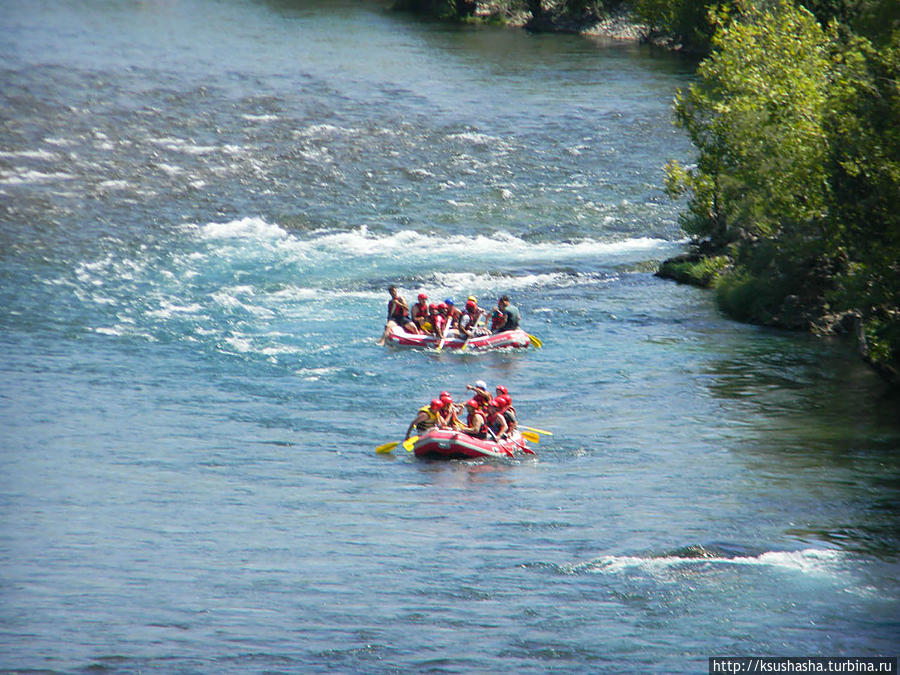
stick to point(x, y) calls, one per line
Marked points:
point(449, 444)
point(512, 338)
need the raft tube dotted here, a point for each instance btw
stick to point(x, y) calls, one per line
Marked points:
point(511, 338)
point(450, 444)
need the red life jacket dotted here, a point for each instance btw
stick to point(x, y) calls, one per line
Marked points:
point(396, 311)
point(439, 321)
point(470, 422)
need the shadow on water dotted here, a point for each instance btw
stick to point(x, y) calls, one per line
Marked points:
point(820, 429)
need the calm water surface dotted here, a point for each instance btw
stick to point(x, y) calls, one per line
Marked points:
point(201, 207)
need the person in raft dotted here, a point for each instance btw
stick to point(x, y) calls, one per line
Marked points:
point(427, 417)
point(398, 313)
point(476, 425)
point(482, 395)
point(507, 318)
point(468, 320)
point(419, 313)
point(453, 312)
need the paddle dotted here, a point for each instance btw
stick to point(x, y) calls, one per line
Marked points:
point(536, 341)
point(539, 431)
point(444, 336)
point(497, 440)
point(387, 447)
point(530, 436)
point(478, 323)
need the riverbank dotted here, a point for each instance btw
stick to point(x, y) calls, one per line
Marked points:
point(807, 310)
point(616, 25)
point(553, 17)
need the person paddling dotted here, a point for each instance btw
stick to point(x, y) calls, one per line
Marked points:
point(508, 412)
point(427, 417)
point(453, 312)
point(419, 312)
point(438, 321)
point(475, 420)
point(495, 420)
point(447, 415)
point(468, 320)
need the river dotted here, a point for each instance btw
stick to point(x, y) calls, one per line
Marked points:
point(202, 205)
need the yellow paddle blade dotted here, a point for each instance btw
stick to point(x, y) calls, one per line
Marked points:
point(409, 443)
point(387, 447)
point(537, 431)
point(531, 436)
point(535, 341)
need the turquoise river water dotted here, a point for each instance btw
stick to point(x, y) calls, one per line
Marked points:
point(201, 207)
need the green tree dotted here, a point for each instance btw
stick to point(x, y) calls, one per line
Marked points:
point(863, 163)
point(755, 116)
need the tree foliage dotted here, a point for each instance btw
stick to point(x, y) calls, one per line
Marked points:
point(797, 176)
point(755, 115)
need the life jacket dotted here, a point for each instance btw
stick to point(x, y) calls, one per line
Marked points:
point(439, 322)
point(472, 319)
point(493, 422)
point(483, 399)
point(454, 314)
point(497, 319)
point(396, 312)
point(470, 422)
point(509, 412)
point(419, 311)
point(430, 422)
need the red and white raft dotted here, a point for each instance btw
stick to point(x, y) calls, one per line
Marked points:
point(507, 339)
point(449, 444)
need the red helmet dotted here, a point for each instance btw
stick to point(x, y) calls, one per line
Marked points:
point(436, 404)
point(432, 308)
point(472, 403)
point(442, 307)
point(504, 400)
point(502, 389)
point(446, 394)
point(471, 304)
point(422, 296)
point(494, 403)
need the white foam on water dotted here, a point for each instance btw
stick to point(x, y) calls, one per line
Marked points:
point(115, 185)
point(168, 309)
point(807, 561)
point(245, 228)
point(170, 169)
point(474, 138)
point(324, 131)
point(324, 248)
point(30, 154)
point(22, 176)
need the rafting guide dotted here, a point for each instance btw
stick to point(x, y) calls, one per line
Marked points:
point(444, 325)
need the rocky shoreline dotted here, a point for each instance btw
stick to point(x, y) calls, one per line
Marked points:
point(618, 25)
